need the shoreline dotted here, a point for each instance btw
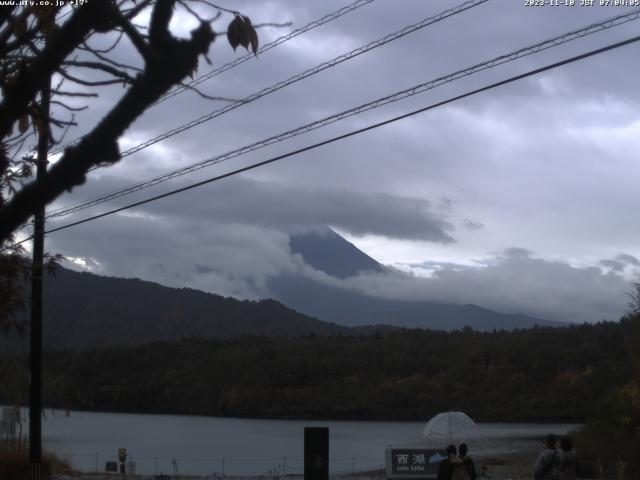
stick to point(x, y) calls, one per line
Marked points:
point(513, 465)
point(86, 440)
point(310, 418)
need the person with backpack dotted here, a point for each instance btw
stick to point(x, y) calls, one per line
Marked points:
point(446, 466)
point(568, 460)
point(548, 463)
point(465, 470)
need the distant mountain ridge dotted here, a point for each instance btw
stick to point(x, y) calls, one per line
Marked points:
point(352, 308)
point(83, 310)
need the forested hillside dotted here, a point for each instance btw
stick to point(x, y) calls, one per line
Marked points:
point(82, 310)
point(553, 374)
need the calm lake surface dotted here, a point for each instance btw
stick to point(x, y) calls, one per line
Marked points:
point(231, 446)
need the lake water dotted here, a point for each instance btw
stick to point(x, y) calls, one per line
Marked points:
point(204, 445)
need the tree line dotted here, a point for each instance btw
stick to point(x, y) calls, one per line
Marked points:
point(540, 374)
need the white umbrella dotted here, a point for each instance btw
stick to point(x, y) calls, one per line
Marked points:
point(448, 425)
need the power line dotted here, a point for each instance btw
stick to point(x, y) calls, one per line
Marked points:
point(540, 46)
point(307, 73)
point(299, 31)
point(354, 132)
point(268, 46)
point(337, 60)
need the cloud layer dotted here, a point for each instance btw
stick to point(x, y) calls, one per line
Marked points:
point(547, 164)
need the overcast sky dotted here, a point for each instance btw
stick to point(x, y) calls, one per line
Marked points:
point(520, 199)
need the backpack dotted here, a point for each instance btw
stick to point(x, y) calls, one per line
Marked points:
point(460, 472)
point(471, 469)
point(548, 467)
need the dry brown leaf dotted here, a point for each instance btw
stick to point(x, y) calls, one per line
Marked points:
point(241, 32)
point(233, 32)
point(252, 34)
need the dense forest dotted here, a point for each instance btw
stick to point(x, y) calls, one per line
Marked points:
point(540, 374)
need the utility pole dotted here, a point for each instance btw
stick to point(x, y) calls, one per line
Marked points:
point(35, 357)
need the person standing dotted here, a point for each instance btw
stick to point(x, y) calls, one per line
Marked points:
point(467, 469)
point(548, 462)
point(445, 468)
point(568, 460)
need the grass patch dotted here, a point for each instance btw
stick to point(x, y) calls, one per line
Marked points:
point(15, 465)
point(607, 451)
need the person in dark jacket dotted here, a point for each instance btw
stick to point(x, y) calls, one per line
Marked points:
point(548, 462)
point(445, 468)
point(568, 460)
point(469, 469)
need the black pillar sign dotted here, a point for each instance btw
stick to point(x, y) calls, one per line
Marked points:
point(316, 453)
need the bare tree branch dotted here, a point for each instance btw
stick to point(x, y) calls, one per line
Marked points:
point(65, 93)
point(39, 46)
point(170, 65)
point(106, 50)
point(204, 95)
point(114, 63)
point(67, 107)
point(30, 78)
point(222, 9)
point(159, 34)
point(88, 83)
point(130, 14)
point(136, 39)
point(101, 66)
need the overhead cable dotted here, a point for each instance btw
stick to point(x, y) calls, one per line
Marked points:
point(307, 73)
point(227, 66)
point(350, 134)
point(268, 46)
point(508, 57)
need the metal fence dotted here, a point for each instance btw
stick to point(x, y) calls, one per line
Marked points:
point(220, 467)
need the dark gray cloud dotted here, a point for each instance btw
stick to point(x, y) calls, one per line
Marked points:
point(514, 281)
point(621, 263)
point(229, 259)
point(547, 163)
point(238, 261)
point(628, 259)
point(471, 224)
point(291, 208)
point(613, 265)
